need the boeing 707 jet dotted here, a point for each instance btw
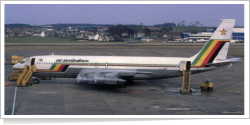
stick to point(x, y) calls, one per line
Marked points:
point(117, 70)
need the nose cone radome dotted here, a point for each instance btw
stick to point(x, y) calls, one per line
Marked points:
point(14, 66)
point(18, 67)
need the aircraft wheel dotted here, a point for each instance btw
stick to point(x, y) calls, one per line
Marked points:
point(208, 89)
point(36, 81)
point(123, 85)
point(201, 89)
point(129, 82)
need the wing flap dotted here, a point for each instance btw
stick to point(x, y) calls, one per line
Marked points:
point(119, 73)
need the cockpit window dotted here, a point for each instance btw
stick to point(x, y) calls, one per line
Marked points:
point(23, 61)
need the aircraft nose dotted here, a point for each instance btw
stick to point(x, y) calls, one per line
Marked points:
point(14, 66)
point(17, 66)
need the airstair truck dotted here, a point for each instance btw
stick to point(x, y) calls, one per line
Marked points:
point(15, 59)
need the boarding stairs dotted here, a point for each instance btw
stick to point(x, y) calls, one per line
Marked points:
point(14, 75)
point(25, 78)
point(185, 67)
point(186, 82)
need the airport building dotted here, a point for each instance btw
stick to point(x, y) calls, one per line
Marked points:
point(199, 37)
point(237, 36)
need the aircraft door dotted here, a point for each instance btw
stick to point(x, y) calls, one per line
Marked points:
point(33, 61)
point(188, 65)
point(27, 61)
point(185, 65)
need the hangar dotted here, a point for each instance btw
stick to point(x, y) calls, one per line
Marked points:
point(237, 36)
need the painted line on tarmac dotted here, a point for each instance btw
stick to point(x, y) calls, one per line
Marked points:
point(112, 54)
point(175, 109)
point(44, 92)
point(222, 84)
point(228, 112)
point(234, 85)
point(14, 102)
point(156, 107)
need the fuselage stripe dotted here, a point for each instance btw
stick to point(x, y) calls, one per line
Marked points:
point(57, 67)
point(205, 54)
point(53, 66)
point(209, 53)
point(201, 53)
point(216, 52)
point(61, 67)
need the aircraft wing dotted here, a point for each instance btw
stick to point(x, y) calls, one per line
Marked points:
point(224, 62)
point(119, 73)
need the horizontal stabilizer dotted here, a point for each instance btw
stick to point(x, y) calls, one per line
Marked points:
point(234, 59)
point(224, 62)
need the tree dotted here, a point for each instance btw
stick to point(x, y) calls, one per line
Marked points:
point(197, 23)
point(147, 31)
point(191, 24)
point(166, 29)
point(119, 29)
point(182, 23)
point(117, 37)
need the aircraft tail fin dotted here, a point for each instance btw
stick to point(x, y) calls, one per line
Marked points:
point(217, 46)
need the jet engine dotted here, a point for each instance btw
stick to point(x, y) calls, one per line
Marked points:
point(100, 79)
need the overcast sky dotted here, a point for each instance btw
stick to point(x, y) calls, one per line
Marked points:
point(148, 14)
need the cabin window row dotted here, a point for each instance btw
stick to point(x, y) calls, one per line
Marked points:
point(45, 63)
point(104, 64)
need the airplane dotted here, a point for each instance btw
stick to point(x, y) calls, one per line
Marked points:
point(119, 70)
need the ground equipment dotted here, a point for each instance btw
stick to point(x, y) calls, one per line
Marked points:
point(207, 85)
point(15, 59)
point(14, 75)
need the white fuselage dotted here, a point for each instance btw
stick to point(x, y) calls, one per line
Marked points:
point(70, 66)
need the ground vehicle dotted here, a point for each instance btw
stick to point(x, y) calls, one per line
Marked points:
point(207, 85)
point(15, 59)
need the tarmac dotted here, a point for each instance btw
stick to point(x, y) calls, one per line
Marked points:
point(64, 96)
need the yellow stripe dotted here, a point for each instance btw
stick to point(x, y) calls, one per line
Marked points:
point(57, 67)
point(206, 53)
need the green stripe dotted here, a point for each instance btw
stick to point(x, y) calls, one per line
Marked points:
point(53, 66)
point(202, 52)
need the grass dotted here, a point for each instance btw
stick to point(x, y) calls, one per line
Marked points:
point(233, 50)
point(37, 40)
